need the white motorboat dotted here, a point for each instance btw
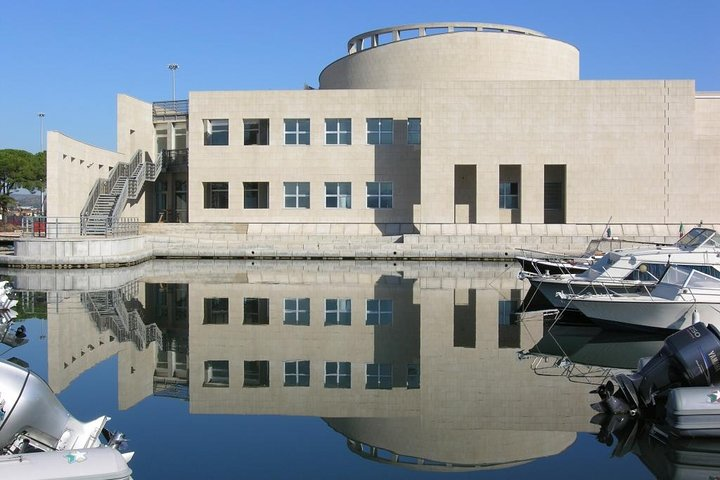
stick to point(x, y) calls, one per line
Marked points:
point(681, 298)
point(632, 270)
point(533, 262)
point(39, 439)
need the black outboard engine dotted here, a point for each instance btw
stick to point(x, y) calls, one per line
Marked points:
point(688, 358)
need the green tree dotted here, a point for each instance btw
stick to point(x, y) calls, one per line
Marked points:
point(20, 169)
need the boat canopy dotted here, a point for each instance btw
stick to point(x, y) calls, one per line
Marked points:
point(699, 236)
point(677, 278)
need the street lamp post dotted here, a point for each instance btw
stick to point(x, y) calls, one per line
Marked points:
point(173, 67)
point(41, 115)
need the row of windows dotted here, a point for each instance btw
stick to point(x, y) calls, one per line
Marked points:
point(338, 131)
point(297, 195)
point(296, 311)
point(297, 374)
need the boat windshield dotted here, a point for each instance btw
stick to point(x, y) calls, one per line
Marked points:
point(697, 237)
point(688, 278)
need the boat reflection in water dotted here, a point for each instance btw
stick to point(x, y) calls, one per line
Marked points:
point(415, 364)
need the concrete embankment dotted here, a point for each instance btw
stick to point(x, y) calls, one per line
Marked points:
point(489, 242)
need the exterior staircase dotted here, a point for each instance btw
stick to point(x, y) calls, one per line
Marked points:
point(106, 202)
point(109, 311)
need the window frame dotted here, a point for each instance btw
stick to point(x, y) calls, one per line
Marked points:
point(297, 131)
point(216, 311)
point(380, 130)
point(297, 199)
point(213, 195)
point(213, 137)
point(381, 373)
point(340, 313)
point(296, 373)
point(341, 128)
point(379, 198)
point(341, 377)
point(341, 200)
point(296, 311)
point(507, 199)
point(379, 311)
point(414, 135)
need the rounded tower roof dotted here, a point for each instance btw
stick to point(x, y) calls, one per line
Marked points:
point(407, 56)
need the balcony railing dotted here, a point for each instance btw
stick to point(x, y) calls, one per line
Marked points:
point(170, 109)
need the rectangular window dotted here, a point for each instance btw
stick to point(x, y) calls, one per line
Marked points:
point(379, 312)
point(379, 131)
point(297, 311)
point(217, 373)
point(413, 376)
point(256, 131)
point(216, 131)
point(216, 194)
point(378, 376)
point(256, 311)
point(413, 131)
point(337, 374)
point(216, 311)
point(297, 131)
point(338, 195)
point(297, 373)
point(338, 131)
point(257, 373)
point(338, 311)
point(379, 194)
point(509, 195)
point(297, 194)
point(255, 194)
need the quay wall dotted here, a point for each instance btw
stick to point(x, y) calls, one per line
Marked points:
point(490, 242)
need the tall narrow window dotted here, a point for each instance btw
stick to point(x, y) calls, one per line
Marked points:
point(509, 195)
point(378, 376)
point(216, 131)
point(379, 194)
point(297, 131)
point(413, 376)
point(379, 312)
point(338, 311)
point(216, 194)
point(297, 194)
point(338, 131)
point(255, 194)
point(379, 131)
point(413, 131)
point(297, 311)
point(297, 373)
point(337, 374)
point(338, 195)
point(256, 131)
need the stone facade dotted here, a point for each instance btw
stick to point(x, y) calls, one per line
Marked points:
point(484, 124)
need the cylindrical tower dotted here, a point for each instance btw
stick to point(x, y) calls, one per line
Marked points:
point(409, 55)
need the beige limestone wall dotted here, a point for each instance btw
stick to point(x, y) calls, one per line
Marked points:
point(315, 163)
point(627, 146)
point(457, 56)
point(72, 169)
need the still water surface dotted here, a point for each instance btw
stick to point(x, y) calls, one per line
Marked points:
point(234, 369)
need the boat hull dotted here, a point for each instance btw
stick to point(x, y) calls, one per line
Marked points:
point(556, 290)
point(647, 314)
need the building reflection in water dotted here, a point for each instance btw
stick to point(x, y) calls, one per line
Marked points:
point(416, 364)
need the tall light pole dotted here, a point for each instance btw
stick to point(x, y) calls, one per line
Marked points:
point(41, 115)
point(173, 67)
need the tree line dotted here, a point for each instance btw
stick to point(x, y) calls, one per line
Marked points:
point(20, 169)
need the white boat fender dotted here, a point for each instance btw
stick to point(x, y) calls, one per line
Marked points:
point(695, 317)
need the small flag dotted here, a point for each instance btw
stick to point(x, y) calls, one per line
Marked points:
point(609, 232)
point(681, 230)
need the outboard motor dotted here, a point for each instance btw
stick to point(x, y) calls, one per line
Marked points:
point(688, 358)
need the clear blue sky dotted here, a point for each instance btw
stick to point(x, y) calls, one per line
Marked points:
point(70, 58)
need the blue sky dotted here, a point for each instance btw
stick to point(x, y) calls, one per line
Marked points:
point(70, 58)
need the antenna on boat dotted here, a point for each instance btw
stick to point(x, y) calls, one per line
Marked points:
point(607, 227)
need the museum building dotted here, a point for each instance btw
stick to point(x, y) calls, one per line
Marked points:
point(425, 124)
